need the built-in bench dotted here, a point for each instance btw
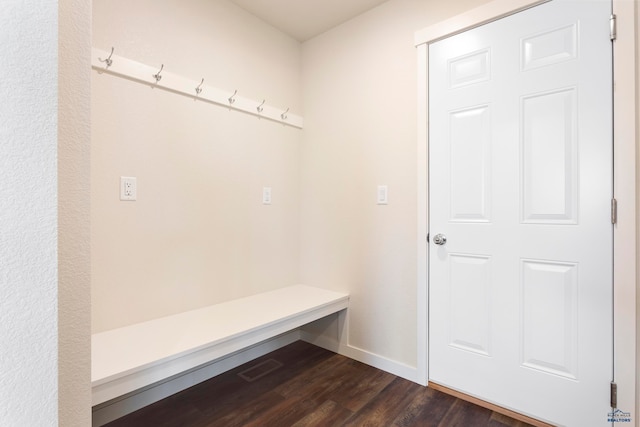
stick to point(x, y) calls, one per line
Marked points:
point(136, 356)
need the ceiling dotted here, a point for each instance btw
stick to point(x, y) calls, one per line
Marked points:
point(304, 19)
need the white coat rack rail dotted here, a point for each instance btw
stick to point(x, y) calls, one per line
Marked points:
point(157, 77)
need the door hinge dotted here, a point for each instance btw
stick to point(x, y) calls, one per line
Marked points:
point(613, 28)
point(614, 211)
point(614, 395)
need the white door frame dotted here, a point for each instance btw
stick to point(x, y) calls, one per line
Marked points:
point(625, 128)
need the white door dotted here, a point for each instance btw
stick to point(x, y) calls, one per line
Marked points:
point(520, 172)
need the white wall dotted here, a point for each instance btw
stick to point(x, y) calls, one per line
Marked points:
point(35, 350)
point(198, 233)
point(28, 213)
point(360, 110)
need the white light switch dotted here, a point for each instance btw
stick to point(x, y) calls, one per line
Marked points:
point(266, 195)
point(128, 188)
point(382, 195)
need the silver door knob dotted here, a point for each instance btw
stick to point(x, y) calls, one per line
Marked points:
point(440, 239)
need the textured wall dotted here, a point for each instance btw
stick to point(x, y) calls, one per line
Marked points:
point(198, 233)
point(74, 133)
point(28, 213)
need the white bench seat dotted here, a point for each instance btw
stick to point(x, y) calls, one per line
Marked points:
point(129, 358)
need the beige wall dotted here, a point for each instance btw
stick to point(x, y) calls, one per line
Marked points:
point(31, 352)
point(198, 233)
point(636, 60)
point(360, 110)
point(74, 270)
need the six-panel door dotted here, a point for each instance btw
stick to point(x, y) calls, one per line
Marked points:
point(520, 172)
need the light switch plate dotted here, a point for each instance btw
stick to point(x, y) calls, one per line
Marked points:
point(266, 195)
point(383, 196)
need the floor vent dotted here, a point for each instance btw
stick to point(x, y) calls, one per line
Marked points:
point(259, 370)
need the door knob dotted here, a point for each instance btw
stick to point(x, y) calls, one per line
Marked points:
point(440, 239)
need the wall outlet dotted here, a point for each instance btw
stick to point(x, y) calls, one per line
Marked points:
point(266, 195)
point(128, 188)
point(383, 195)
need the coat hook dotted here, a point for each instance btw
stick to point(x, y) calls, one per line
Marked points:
point(108, 61)
point(284, 115)
point(260, 107)
point(232, 98)
point(157, 76)
point(199, 88)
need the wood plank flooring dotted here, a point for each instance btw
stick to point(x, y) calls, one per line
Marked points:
point(303, 385)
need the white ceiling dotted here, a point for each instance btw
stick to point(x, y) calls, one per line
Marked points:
point(304, 19)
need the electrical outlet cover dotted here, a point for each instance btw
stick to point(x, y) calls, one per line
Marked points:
point(128, 188)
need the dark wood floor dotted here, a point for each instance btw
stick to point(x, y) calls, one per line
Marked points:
point(304, 385)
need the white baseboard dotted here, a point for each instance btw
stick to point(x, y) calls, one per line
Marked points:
point(393, 367)
point(121, 406)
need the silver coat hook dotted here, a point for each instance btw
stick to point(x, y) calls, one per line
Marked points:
point(108, 61)
point(199, 88)
point(260, 106)
point(284, 115)
point(157, 76)
point(232, 98)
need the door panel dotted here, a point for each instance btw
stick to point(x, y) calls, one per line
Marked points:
point(470, 145)
point(549, 157)
point(470, 284)
point(520, 149)
point(550, 324)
